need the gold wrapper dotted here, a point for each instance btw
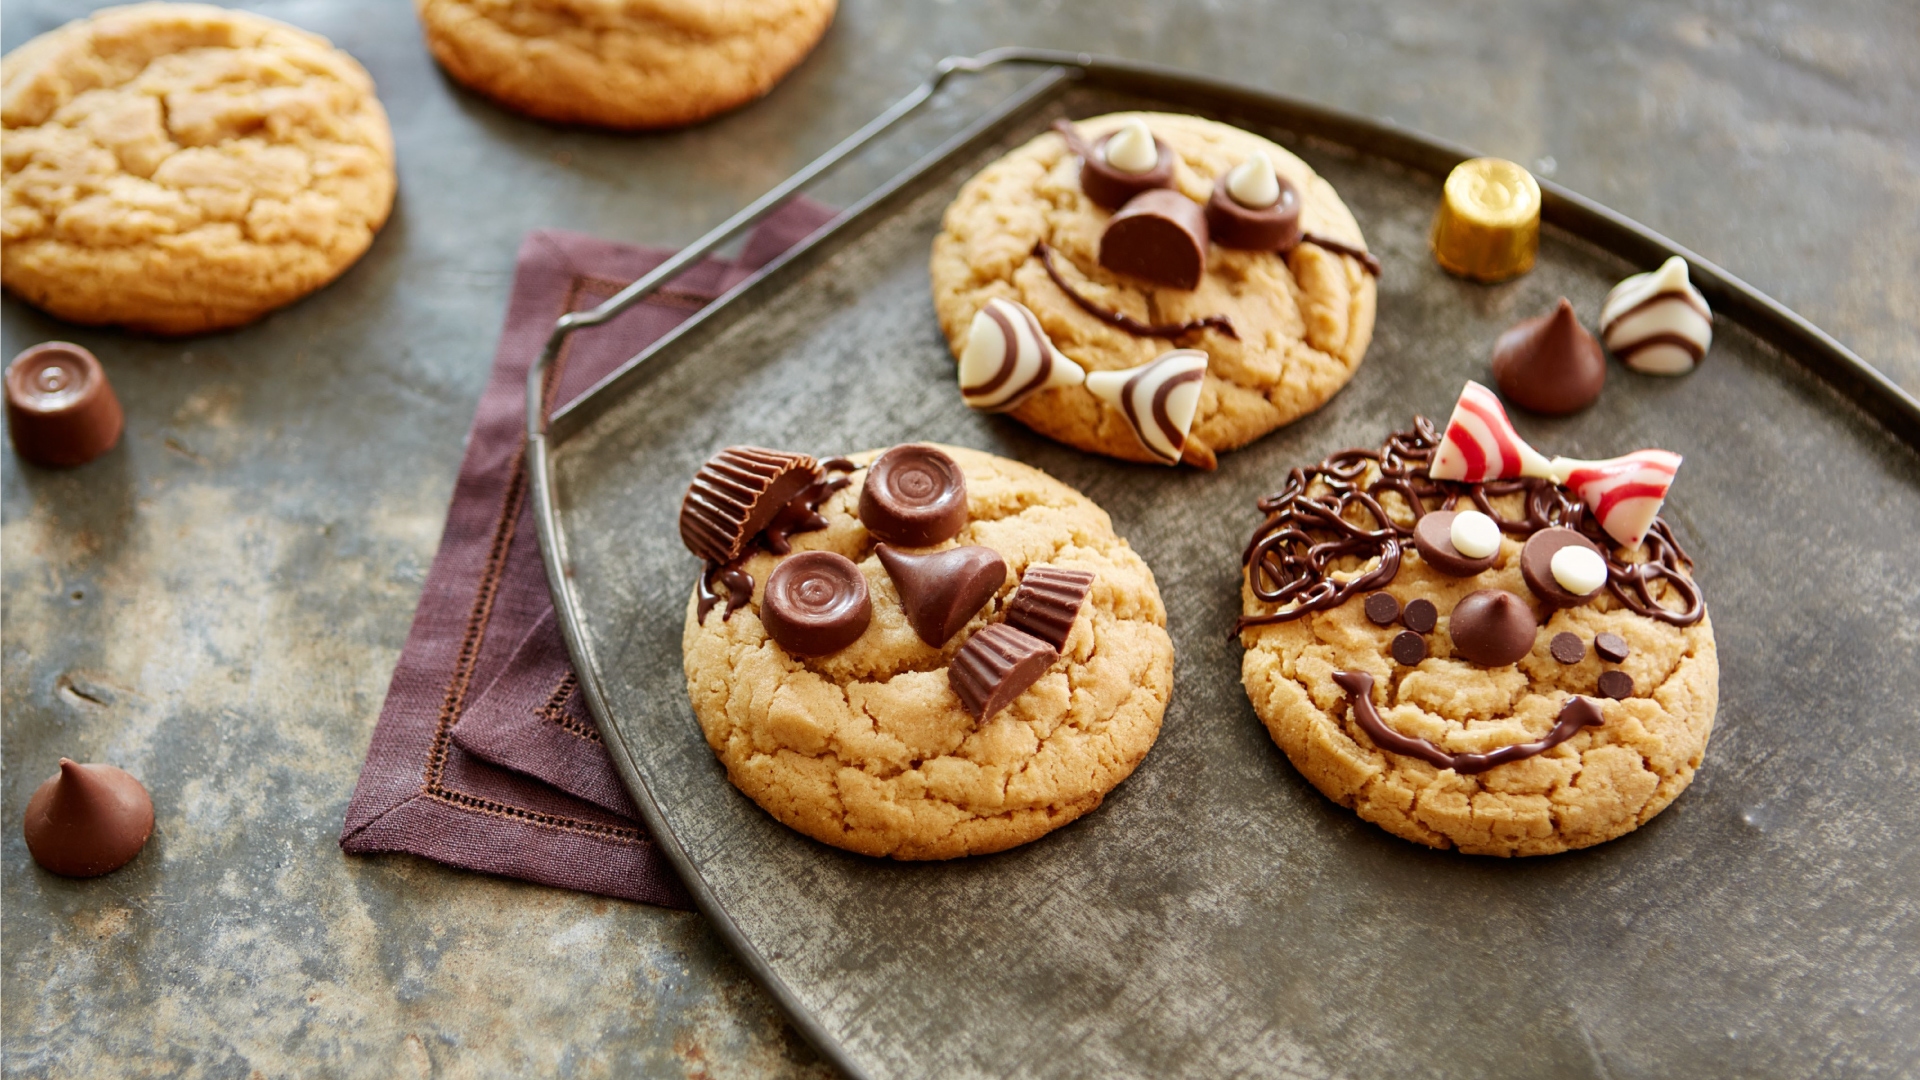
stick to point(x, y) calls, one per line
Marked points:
point(1488, 227)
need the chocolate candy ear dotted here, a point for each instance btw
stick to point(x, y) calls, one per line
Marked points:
point(1048, 601)
point(1267, 228)
point(1160, 235)
point(735, 494)
point(915, 496)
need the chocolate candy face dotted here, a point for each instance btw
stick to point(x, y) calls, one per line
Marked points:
point(1048, 601)
point(941, 590)
point(736, 494)
point(1536, 565)
point(61, 411)
point(1270, 228)
point(995, 666)
point(1420, 616)
point(914, 496)
point(1550, 365)
point(1107, 186)
point(1433, 538)
point(1492, 628)
point(1161, 236)
point(816, 603)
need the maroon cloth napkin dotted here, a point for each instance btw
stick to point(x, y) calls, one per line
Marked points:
point(484, 756)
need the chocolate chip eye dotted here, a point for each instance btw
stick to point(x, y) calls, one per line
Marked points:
point(816, 603)
point(914, 496)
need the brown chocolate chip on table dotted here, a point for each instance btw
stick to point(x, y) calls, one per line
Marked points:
point(1567, 648)
point(816, 603)
point(1420, 616)
point(1433, 538)
point(1617, 685)
point(915, 496)
point(941, 590)
point(87, 820)
point(1611, 647)
point(1382, 608)
point(1409, 648)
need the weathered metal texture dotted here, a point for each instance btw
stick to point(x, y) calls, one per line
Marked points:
point(1218, 916)
point(217, 604)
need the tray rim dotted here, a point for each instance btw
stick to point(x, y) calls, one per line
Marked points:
point(1891, 407)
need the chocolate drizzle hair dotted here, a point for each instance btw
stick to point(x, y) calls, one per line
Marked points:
point(1311, 527)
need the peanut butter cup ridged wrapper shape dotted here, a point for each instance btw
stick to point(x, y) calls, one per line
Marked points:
point(1488, 227)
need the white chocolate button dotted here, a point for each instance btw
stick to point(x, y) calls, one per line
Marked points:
point(1131, 149)
point(1578, 570)
point(1474, 534)
point(1252, 183)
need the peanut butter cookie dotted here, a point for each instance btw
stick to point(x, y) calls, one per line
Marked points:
point(938, 698)
point(177, 168)
point(622, 63)
point(1284, 329)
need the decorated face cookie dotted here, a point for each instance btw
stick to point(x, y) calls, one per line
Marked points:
point(1477, 663)
point(889, 656)
point(1133, 236)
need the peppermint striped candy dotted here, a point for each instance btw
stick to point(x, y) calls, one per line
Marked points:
point(1481, 444)
point(1624, 493)
point(1159, 399)
point(1009, 359)
point(1657, 322)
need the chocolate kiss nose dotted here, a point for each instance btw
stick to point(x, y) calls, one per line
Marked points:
point(1492, 627)
point(942, 589)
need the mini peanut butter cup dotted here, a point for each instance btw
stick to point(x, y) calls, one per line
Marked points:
point(61, 411)
point(87, 820)
point(941, 590)
point(736, 494)
point(816, 603)
point(1048, 601)
point(914, 496)
point(997, 665)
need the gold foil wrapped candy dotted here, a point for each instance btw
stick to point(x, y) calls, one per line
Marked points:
point(1488, 228)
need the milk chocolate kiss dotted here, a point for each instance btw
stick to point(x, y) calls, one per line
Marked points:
point(1550, 364)
point(940, 590)
point(87, 820)
point(1492, 628)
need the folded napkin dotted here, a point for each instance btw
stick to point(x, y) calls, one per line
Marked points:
point(484, 756)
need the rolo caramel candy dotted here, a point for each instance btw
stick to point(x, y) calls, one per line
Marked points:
point(1488, 227)
point(61, 411)
point(816, 603)
point(915, 496)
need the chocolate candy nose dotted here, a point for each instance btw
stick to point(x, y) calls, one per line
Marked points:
point(61, 411)
point(816, 603)
point(914, 496)
point(1492, 627)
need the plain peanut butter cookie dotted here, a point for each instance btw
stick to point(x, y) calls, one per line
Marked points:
point(1523, 701)
point(983, 678)
point(177, 168)
point(626, 64)
point(1300, 320)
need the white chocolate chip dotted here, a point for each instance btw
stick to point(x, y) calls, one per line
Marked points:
point(1252, 183)
point(1474, 534)
point(1131, 149)
point(1578, 570)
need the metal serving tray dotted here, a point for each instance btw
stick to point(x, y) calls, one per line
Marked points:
point(1218, 916)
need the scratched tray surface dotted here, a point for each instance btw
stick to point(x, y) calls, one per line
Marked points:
point(1217, 915)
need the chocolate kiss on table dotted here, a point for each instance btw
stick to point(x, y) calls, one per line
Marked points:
point(1657, 323)
point(1550, 364)
point(1159, 399)
point(1159, 236)
point(1009, 359)
point(1492, 628)
point(1269, 222)
point(735, 494)
point(816, 603)
point(1433, 538)
point(1108, 186)
point(996, 665)
point(87, 820)
point(1048, 601)
point(1536, 566)
point(941, 590)
point(914, 496)
point(61, 411)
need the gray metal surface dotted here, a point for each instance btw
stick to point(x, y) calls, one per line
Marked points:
point(248, 560)
point(1217, 916)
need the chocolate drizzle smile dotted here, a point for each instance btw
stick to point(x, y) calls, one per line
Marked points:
point(1576, 714)
point(1126, 322)
point(1294, 556)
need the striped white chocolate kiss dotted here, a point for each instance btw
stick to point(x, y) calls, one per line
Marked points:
point(1009, 358)
point(1159, 399)
point(1624, 493)
point(1481, 444)
point(1657, 322)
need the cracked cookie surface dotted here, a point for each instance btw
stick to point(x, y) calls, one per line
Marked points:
point(622, 63)
point(1303, 319)
point(177, 168)
point(869, 749)
point(1602, 783)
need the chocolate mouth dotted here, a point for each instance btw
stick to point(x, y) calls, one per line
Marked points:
point(1578, 713)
